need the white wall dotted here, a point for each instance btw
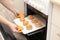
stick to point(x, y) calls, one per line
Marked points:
point(55, 27)
point(18, 4)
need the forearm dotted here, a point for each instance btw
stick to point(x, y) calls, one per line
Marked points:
point(12, 26)
point(4, 21)
point(9, 6)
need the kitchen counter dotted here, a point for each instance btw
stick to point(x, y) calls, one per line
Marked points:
point(57, 2)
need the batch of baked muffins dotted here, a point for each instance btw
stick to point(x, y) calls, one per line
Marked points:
point(26, 23)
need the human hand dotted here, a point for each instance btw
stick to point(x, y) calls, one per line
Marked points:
point(16, 14)
point(21, 15)
point(14, 28)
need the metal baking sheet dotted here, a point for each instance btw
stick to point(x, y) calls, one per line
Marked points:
point(25, 31)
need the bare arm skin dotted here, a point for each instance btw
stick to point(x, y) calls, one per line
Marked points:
point(9, 24)
point(9, 6)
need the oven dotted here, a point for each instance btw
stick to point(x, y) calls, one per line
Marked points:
point(39, 34)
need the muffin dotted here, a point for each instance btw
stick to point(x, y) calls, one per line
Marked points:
point(25, 22)
point(21, 19)
point(30, 17)
point(34, 20)
point(21, 16)
point(38, 24)
point(28, 27)
point(20, 28)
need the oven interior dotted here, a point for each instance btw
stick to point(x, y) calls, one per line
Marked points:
point(41, 33)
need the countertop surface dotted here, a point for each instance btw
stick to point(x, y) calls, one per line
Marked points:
point(57, 2)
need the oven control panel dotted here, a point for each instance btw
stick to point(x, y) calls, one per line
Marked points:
point(41, 5)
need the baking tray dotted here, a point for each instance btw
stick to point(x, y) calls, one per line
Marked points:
point(25, 31)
